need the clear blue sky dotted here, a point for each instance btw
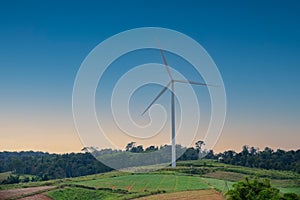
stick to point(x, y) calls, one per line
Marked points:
point(255, 44)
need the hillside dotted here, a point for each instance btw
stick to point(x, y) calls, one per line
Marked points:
point(200, 175)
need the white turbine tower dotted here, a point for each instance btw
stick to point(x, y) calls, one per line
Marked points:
point(172, 81)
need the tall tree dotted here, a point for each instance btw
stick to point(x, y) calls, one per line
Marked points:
point(129, 146)
point(199, 145)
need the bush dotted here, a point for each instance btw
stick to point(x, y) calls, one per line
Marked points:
point(11, 179)
point(291, 196)
point(26, 179)
point(256, 189)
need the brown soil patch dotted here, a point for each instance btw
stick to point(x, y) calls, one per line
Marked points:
point(187, 195)
point(37, 197)
point(129, 187)
point(7, 194)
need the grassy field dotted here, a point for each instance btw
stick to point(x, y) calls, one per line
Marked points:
point(84, 194)
point(127, 186)
point(4, 175)
point(188, 176)
point(219, 185)
point(149, 182)
point(290, 190)
point(212, 166)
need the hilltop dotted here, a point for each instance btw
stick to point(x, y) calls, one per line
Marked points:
point(209, 177)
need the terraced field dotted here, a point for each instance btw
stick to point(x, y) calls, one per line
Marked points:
point(187, 195)
point(149, 182)
point(206, 180)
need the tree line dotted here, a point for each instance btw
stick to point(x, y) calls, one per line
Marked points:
point(248, 157)
point(45, 166)
point(265, 159)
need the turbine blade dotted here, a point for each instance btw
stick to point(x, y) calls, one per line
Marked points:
point(161, 92)
point(195, 83)
point(166, 64)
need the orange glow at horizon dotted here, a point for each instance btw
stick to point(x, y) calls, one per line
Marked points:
point(58, 135)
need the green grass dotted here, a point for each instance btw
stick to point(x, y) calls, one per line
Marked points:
point(31, 184)
point(221, 186)
point(4, 175)
point(295, 190)
point(218, 184)
point(284, 183)
point(241, 171)
point(123, 185)
point(126, 186)
point(83, 194)
point(148, 182)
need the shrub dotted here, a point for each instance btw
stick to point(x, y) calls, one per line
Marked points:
point(256, 189)
point(11, 179)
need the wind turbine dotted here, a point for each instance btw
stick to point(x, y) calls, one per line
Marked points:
point(171, 83)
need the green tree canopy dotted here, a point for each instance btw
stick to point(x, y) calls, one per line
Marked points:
point(256, 189)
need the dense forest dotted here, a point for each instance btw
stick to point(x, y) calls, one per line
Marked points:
point(248, 157)
point(44, 166)
point(266, 159)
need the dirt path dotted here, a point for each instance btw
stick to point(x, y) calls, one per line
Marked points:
point(187, 195)
point(7, 194)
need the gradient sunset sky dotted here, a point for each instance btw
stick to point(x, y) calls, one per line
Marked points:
point(255, 44)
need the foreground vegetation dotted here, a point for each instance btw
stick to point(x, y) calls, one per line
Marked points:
point(258, 189)
point(188, 175)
